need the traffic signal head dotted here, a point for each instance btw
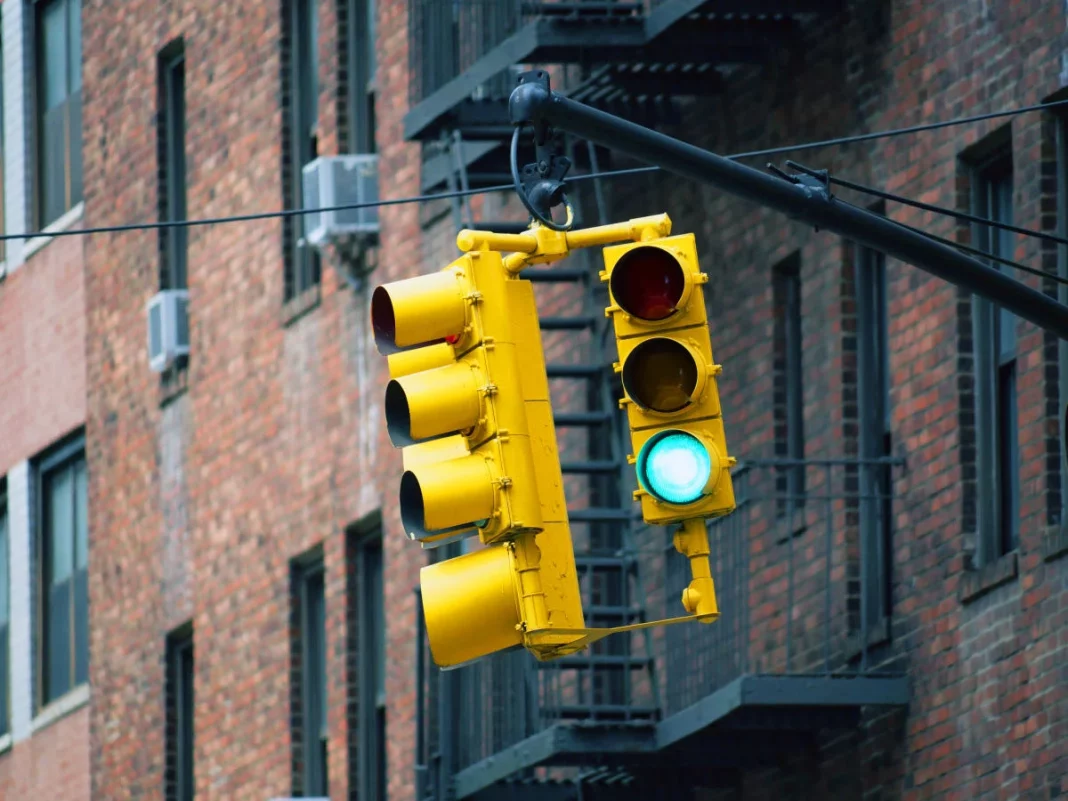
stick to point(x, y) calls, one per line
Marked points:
point(669, 379)
point(468, 403)
point(417, 311)
point(460, 377)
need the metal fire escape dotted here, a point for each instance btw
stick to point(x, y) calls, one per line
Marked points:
point(603, 720)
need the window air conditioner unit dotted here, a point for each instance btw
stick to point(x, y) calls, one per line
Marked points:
point(339, 181)
point(168, 328)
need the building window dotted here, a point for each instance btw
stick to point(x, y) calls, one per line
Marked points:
point(310, 724)
point(371, 734)
point(63, 573)
point(5, 619)
point(788, 389)
point(59, 108)
point(873, 411)
point(179, 715)
point(994, 338)
point(170, 133)
point(362, 70)
point(301, 91)
point(3, 184)
point(1056, 451)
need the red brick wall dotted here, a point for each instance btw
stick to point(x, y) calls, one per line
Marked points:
point(42, 398)
point(277, 440)
point(42, 350)
point(989, 714)
point(281, 442)
point(53, 763)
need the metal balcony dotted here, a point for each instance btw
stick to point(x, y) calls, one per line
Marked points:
point(464, 54)
point(800, 647)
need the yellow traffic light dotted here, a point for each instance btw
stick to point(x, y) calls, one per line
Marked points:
point(669, 379)
point(468, 402)
point(464, 379)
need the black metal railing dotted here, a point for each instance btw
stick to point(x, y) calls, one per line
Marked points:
point(447, 36)
point(788, 574)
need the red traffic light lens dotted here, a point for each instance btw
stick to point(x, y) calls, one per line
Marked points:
point(383, 320)
point(660, 375)
point(647, 283)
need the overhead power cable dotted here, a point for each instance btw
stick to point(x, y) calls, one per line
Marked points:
point(960, 215)
point(975, 251)
point(285, 213)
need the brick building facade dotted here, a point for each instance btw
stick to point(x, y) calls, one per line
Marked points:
point(252, 623)
point(44, 690)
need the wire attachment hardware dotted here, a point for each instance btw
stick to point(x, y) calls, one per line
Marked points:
point(540, 185)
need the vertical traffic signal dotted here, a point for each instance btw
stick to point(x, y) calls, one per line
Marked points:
point(468, 403)
point(458, 376)
point(669, 379)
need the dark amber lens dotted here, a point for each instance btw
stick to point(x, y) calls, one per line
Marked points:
point(661, 375)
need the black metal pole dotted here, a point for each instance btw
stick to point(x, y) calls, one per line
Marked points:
point(533, 103)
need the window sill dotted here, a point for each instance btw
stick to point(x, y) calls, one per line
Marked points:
point(878, 634)
point(60, 708)
point(1055, 542)
point(61, 224)
point(6, 742)
point(975, 583)
point(299, 305)
point(173, 383)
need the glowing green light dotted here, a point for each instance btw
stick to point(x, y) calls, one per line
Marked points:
point(674, 467)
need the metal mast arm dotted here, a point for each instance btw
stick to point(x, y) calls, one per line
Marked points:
point(533, 103)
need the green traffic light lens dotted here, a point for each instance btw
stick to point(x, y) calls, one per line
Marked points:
point(674, 467)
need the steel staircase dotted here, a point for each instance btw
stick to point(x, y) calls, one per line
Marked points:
point(597, 684)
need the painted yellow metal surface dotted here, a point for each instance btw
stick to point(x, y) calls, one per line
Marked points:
point(469, 403)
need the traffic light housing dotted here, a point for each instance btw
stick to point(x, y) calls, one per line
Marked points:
point(468, 403)
point(463, 379)
point(669, 379)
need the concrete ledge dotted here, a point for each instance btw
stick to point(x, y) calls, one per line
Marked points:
point(975, 583)
point(61, 224)
point(60, 708)
point(299, 305)
point(1055, 543)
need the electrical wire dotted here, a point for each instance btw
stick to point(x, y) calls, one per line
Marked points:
point(425, 198)
point(960, 215)
point(973, 251)
point(848, 140)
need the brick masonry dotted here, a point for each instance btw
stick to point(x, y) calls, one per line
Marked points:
point(278, 443)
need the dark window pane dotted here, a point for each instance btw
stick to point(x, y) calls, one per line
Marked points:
point(74, 44)
point(179, 781)
point(59, 142)
point(81, 627)
point(994, 335)
point(313, 676)
point(64, 576)
point(74, 108)
point(373, 680)
point(58, 640)
point(52, 62)
point(176, 171)
point(60, 526)
point(5, 683)
point(5, 590)
point(81, 516)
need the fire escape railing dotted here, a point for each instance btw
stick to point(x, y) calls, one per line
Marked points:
point(792, 601)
